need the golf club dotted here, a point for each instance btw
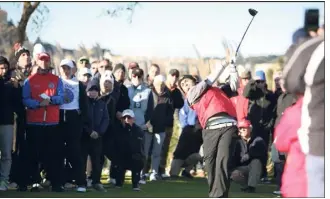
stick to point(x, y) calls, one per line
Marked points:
point(253, 13)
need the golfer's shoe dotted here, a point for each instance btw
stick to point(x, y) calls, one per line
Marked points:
point(249, 189)
point(81, 189)
point(58, 189)
point(99, 187)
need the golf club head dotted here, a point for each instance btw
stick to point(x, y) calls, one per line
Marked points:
point(253, 12)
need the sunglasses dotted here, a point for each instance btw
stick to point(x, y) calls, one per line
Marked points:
point(84, 62)
point(260, 81)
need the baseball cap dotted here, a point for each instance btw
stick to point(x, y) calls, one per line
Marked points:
point(67, 62)
point(43, 55)
point(85, 71)
point(128, 112)
point(84, 58)
point(137, 72)
point(174, 72)
point(92, 86)
point(260, 75)
point(244, 124)
point(246, 74)
point(37, 49)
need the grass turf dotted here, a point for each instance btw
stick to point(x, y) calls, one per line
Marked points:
point(181, 188)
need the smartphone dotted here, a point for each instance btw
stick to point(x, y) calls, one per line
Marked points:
point(312, 20)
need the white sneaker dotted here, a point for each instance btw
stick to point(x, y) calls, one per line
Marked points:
point(12, 185)
point(81, 189)
point(45, 183)
point(164, 175)
point(136, 189)
point(153, 177)
point(112, 181)
point(277, 192)
point(89, 182)
point(69, 185)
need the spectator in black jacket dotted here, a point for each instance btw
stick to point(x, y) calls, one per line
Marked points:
point(122, 103)
point(107, 87)
point(249, 152)
point(129, 142)
point(162, 117)
point(261, 111)
point(92, 141)
point(10, 102)
point(172, 79)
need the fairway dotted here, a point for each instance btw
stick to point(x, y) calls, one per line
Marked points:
point(182, 188)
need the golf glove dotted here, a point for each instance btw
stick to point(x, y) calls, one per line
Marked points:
point(94, 135)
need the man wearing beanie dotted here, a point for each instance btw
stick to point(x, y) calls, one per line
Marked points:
point(92, 141)
point(42, 95)
point(262, 112)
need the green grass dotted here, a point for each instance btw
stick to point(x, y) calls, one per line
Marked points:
point(181, 188)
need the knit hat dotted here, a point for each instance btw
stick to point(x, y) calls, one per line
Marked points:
point(37, 49)
point(19, 50)
point(92, 86)
point(260, 75)
point(106, 76)
point(119, 66)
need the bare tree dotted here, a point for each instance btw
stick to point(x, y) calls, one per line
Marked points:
point(118, 11)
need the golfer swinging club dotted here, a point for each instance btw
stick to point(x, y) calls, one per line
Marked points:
point(217, 116)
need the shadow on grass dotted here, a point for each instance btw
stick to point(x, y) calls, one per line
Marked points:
point(180, 188)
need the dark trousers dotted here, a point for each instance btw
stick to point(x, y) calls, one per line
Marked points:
point(93, 148)
point(109, 151)
point(136, 167)
point(265, 135)
point(219, 146)
point(45, 145)
point(165, 150)
point(71, 129)
point(279, 168)
point(20, 165)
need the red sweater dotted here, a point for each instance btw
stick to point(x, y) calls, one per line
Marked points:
point(294, 182)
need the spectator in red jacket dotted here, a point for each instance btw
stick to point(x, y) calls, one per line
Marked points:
point(294, 179)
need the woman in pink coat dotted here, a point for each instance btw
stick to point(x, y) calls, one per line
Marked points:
point(294, 179)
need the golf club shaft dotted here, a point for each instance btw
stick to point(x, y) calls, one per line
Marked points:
point(243, 37)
